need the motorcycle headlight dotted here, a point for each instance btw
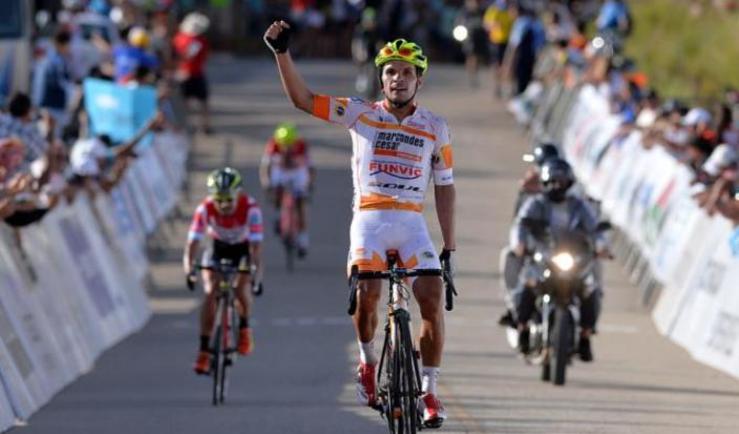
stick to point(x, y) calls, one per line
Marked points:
point(460, 33)
point(564, 261)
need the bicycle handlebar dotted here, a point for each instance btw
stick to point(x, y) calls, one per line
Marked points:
point(401, 273)
point(221, 268)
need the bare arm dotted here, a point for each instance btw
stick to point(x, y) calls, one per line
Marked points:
point(255, 252)
point(292, 82)
point(127, 148)
point(188, 258)
point(445, 197)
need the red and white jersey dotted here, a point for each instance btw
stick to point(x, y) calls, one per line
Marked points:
point(294, 157)
point(244, 224)
point(392, 161)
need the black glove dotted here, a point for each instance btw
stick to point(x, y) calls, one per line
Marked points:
point(446, 261)
point(191, 279)
point(280, 44)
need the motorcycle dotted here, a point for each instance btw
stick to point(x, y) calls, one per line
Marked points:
point(562, 265)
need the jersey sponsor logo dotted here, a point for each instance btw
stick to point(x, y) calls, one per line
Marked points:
point(416, 125)
point(340, 111)
point(395, 186)
point(393, 140)
point(396, 170)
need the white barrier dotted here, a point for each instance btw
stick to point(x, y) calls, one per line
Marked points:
point(645, 192)
point(74, 287)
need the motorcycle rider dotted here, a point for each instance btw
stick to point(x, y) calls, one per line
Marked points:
point(560, 211)
point(529, 186)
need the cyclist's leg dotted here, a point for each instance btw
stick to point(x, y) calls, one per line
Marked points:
point(301, 191)
point(277, 183)
point(364, 253)
point(418, 252)
point(242, 281)
point(211, 280)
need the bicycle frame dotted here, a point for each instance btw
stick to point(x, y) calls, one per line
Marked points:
point(399, 394)
point(225, 331)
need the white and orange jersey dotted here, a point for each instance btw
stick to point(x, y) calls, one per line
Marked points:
point(392, 161)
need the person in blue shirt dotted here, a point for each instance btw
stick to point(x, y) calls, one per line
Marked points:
point(528, 37)
point(52, 81)
point(129, 57)
point(614, 16)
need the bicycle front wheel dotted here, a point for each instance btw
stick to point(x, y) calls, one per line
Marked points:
point(218, 350)
point(217, 366)
point(407, 377)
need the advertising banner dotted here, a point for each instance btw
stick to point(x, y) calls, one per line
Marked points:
point(118, 111)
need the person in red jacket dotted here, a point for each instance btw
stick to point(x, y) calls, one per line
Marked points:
point(191, 50)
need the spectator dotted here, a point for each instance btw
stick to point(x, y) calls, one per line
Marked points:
point(498, 21)
point(527, 39)
point(132, 54)
point(719, 175)
point(192, 49)
point(698, 150)
point(12, 151)
point(614, 18)
point(19, 123)
point(95, 159)
point(52, 85)
point(475, 46)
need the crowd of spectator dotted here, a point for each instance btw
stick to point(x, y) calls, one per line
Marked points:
point(48, 151)
point(704, 138)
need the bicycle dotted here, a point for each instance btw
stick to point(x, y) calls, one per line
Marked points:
point(226, 332)
point(400, 388)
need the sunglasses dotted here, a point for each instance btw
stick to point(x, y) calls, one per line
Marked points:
point(223, 200)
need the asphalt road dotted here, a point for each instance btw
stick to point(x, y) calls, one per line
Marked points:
point(300, 376)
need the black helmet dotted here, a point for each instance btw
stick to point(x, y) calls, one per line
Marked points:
point(556, 178)
point(224, 183)
point(541, 153)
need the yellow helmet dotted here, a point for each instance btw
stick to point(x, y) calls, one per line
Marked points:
point(406, 51)
point(286, 134)
point(138, 37)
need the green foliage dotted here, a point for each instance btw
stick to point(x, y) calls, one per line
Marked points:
point(686, 54)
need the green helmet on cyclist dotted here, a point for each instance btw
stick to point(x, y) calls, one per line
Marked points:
point(285, 135)
point(405, 51)
point(224, 184)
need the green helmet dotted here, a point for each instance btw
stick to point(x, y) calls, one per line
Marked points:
point(224, 183)
point(286, 134)
point(405, 51)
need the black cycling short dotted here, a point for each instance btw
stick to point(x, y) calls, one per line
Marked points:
point(237, 253)
point(499, 53)
point(195, 87)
